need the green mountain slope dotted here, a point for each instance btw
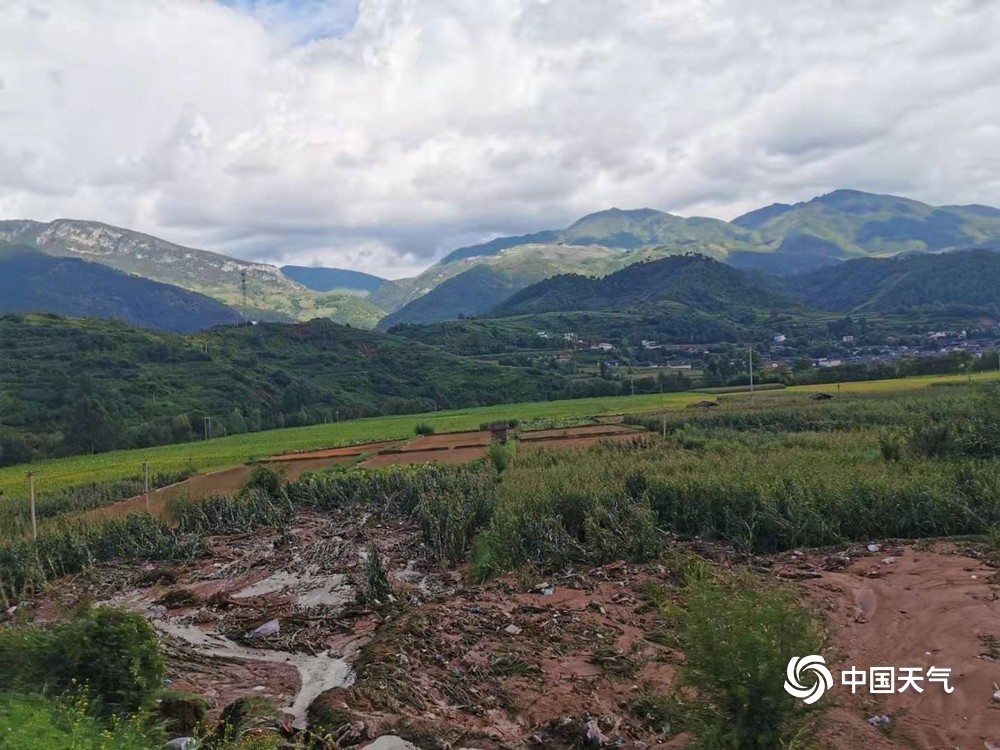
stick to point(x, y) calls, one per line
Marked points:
point(599, 243)
point(471, 293)
point(860, 224)
point(680, 299)
point(270, 294)
point(780, 239)
point(73, 386)
point(32, 282)
point(333, 279)
point(692, 280)
point(956, 283)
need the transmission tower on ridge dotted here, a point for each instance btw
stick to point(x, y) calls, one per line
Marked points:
point(243, 286)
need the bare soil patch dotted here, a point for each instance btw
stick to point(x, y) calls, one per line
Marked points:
point(572, 432)
point(224, 482)
point(439, 455)
point(917, 606)
point(450, 440)
point(523, 662)
point(349, 451)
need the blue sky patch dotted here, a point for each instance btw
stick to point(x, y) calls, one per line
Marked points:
point(303, 20)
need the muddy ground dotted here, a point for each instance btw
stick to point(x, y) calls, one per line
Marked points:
point(523, 662)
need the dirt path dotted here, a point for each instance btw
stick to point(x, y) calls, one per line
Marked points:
point(914, 607)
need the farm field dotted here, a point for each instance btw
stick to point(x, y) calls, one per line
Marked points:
point(210, 455)
point(561, 592)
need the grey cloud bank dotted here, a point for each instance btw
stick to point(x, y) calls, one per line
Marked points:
point(431, 125)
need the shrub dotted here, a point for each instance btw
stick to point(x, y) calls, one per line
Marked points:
point(265, 479)
point(890, 448)
point(111, 653)
point(501, 454)
point(509, 424)
point(930, 441)
point(423, 428)
point(241, 718)
point(737, 640)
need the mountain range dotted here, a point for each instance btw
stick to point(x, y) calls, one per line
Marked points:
point(780, 239)
point(270, 294)
point(31, 282)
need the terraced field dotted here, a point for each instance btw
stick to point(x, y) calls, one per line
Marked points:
point(237, 450)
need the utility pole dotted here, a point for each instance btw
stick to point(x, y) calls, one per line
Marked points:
point(750, 362)
point(145, 482)
point(207, 428)
point(31, 493)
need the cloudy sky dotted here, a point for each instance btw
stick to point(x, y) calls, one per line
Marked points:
point(380, 134)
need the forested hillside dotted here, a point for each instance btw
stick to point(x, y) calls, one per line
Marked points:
point(270, 294)
point(956, 283)
point(692, 280)
point(471, 293)
point(32, 282)
point(81, 386)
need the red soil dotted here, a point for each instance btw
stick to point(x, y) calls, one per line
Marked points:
point(571, 432)
point(222, 482)
point(449, 440)
point(916, 607)
point(442, 456)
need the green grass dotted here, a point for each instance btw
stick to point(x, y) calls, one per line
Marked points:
point(239, 449)
point(33, 722)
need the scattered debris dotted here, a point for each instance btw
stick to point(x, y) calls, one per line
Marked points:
point(391, 742)
point(594, 737)
point(874, 547)
point(271, 627)
point(879, 721)
point(512, 630)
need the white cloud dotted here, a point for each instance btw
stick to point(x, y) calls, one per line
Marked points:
point(247, 128)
